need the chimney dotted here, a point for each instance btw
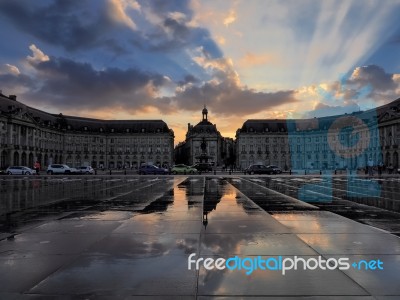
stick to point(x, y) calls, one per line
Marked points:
point(188, 126)
point(12, 97)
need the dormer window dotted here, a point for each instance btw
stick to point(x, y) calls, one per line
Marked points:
point(251, 129)
point(143, 130)
point(158, 130)
point(101, 130)
point(127, 130)
point(85, 128)
point(69, 127)
point(112, 130)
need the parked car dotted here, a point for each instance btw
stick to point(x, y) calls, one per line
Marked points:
point(276, 169)
point(20, 170)
point(74, 170)
point(85, 170)
point(258, 169)
point(58, 169)
point(183, 169)
point(152, 170)
point(203, 167)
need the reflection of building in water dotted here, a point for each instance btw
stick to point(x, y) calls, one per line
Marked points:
point(344, 141)
point(212, 196)
point(28, 134)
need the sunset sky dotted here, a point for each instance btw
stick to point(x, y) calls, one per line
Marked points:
point(126, 59)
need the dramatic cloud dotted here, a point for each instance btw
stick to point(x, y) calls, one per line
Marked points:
point(227, 98)
point(73, 25)
point(364, 87)
point(165, 59)
point(66, 84)
point(373, 76)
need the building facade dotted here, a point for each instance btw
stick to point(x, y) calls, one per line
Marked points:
point(189, 151)
point(28, 135)
point(335, 142)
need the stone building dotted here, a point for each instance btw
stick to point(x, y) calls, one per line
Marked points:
point(28, 134)
point(334, 142)
point(188, 152)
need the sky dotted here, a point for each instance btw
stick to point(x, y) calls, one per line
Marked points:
point(156, 59)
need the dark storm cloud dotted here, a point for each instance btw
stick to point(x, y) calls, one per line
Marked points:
point(226, 98)
point(86, 25)
point(173, 32)
point(188, 79)
point(374, 76)
point(68, 84)
point(70, 24)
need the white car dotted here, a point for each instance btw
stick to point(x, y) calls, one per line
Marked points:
point(86, 170)
point(20, 170)
point(58, 169)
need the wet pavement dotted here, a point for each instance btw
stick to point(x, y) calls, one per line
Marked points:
point(131, 237)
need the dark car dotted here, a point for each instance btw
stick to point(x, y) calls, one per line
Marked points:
point(152, 170)
point(276, 169)
point(203, 167)
point(258, 169)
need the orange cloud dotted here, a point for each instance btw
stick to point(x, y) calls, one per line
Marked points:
point(37, 55)
point(230, 18)
point(117, 11)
